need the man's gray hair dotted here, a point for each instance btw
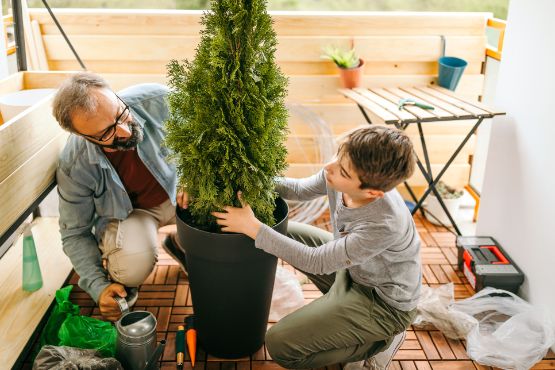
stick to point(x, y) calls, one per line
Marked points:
point(76, 94)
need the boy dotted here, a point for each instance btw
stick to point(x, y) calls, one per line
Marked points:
point(369, 269)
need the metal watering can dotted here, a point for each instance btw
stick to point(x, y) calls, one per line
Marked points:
point(136, 347)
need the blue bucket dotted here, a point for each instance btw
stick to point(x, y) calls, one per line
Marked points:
point(450, 72)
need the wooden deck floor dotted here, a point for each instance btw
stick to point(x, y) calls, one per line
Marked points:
point(166, 294)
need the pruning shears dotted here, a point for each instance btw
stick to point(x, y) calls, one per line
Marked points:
point(403, 102)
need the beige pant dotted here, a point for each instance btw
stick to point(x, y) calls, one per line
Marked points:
point(130, 247)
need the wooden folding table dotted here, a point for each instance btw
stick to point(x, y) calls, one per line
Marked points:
point(381, 105)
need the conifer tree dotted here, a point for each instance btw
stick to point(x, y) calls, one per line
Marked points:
point(228, 120)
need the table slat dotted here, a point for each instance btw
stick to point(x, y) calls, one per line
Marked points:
point(454, 110)
point(473, 103)
point(386, 104)
point(376, 112)
point(418, 112)
point(438, 111)
point(476, 112)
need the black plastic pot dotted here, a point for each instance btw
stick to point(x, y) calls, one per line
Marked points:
point(231, 284)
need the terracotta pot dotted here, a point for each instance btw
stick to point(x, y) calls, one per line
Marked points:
point(351, 77)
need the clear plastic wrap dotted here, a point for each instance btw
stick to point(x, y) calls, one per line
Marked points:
point(501, 329)
point(287, 296)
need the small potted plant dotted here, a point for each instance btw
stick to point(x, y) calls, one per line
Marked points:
point(349, 65)
point(452, 199)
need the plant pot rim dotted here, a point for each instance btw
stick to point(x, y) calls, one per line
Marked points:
point(229, 235)
point(360, 64)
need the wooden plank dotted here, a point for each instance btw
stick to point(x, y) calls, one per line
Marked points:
point(442, 345)
point(427, 345)
point(312, 89)
point(438, 111)
point(377, 113)
point(289, 68)
point(474, 103)
point(104, 47)
point(11, 83)
point(24, 186)
point(324, 89)
point(45, 79)
point(186, 22)
point(452, 365)
point(30, 47)
point(20, 311)
point(26, 135)
point(423, 365)
point(39, 45)
point(386, 104)
point(419, 48)
point(455, 101)
point(417, 112)
point(440, 274)
point(457, 112)
point(408, 365)
point(289, 48)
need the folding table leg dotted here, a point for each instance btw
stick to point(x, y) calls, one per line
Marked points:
point(433, 184)
point(413, 197)
point(364, 114)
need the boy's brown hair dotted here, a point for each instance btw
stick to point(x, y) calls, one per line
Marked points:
point(382, 157)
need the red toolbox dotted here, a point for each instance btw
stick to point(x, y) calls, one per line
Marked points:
point(485, 263)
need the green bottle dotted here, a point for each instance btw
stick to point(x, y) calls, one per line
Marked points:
point(32, 278)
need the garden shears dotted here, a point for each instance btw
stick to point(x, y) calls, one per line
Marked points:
point(403, 102)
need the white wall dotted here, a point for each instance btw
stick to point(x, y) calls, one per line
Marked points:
point(518, 198)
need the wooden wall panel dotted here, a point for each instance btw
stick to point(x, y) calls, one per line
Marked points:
point(289, 68)
point(162, 22)
point(130, 47)
point(290, 48)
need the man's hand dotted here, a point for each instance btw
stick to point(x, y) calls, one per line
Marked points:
point(238, 220)
point(182, 199)
point(109, 308)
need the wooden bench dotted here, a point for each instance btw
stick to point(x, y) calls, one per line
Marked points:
point(29, 147)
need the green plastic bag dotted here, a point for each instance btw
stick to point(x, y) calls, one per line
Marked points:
point(63, 309)
point(89, 333)
point(65, 327)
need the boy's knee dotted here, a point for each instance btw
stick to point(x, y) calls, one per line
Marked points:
point(278, 345)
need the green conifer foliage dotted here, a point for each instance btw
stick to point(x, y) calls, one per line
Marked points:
point(228, 120)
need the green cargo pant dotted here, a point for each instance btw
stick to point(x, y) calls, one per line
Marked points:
point(349, 323)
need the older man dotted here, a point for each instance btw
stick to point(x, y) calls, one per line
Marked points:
point(115, 185)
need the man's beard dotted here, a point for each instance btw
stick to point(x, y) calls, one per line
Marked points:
point(127, 143)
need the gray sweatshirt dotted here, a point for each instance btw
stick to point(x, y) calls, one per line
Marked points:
point(377, 243)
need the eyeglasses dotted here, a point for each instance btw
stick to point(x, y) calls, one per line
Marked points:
point(110, 131)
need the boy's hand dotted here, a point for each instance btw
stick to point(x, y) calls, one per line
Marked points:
point(182, 199)
point(238, 220)
point(109, 308)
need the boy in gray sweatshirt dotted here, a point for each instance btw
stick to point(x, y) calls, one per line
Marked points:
point(369, 269)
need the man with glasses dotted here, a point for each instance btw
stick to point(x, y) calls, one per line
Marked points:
point(115, 185)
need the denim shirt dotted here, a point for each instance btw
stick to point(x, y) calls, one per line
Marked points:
point(91, 192)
